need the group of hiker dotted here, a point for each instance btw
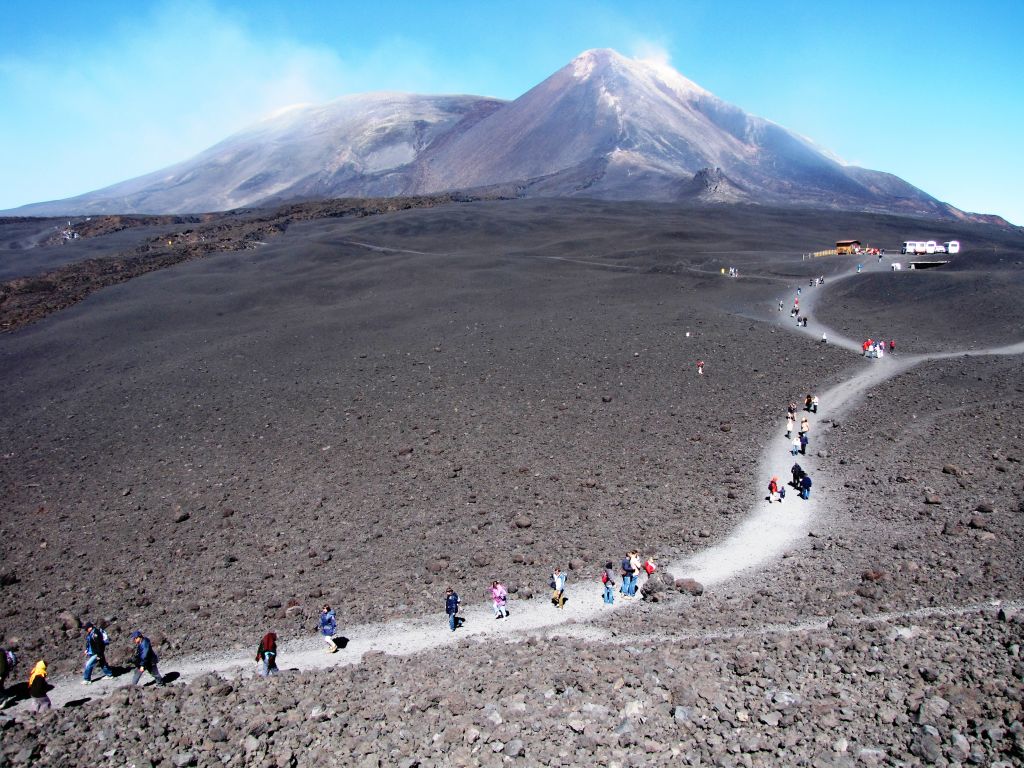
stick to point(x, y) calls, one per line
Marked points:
point(801, 481)
point(872, 348)
point(144, 659)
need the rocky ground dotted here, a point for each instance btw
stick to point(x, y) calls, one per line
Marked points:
point(315, 420)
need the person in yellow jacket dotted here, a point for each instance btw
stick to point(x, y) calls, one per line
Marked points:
point(38, 687)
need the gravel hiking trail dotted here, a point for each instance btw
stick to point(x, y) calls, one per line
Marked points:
point(767, 532)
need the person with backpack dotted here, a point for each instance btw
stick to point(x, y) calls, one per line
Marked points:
point(451, 607)
point(96, 641)
point(144, 659)
point(328, 628)
point(608, 580)
point(499, 596)
point(773, 489)
point(39, 687)
point(634, 561)
point(267, 655)
point(805, 487)
point(798, 473)
point(803, 444)
point(557, 585)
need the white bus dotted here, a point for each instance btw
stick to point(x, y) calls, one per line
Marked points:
point(953, 246)
point(915, 246)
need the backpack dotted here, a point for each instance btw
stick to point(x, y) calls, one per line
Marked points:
point(782, 491)
point(604, 577)
point(650, 567)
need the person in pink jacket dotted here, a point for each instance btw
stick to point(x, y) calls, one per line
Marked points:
point(500, 597)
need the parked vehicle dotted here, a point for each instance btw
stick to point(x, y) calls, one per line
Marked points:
point(929, 247)
point(953, 246)
point(939, 248)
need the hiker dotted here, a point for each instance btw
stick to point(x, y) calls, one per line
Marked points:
point(608, 580)
point(805, 486)
point(780, 305)
point(328, 628)
point(824, 338)
point(791, 410)
point(805, 321)
point(650, 566)
point(805, 426)
point(798, 473)
point(807, 403)
point(145, 659)
point(451, 607)
point(267, 654)
point(557, 585)
point(8, 662)
point(628, 576)
point(700, 367)
point(892, 347)
point(790, 423)
point(803, 444)
point(96, 642)
point(814, 404)
point(38, 687)
point(634, 562)
point(794, 447)
point(773, 489)
point(500, 597)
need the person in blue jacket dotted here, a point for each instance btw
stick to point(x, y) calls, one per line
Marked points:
point(451, 607)
point(145, 659)
point(95, 652)
point(805, 487)
point(328, 628)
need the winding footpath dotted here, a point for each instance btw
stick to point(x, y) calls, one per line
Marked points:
point(768, 531)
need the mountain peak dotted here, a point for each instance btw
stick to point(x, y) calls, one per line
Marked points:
point(608, 64)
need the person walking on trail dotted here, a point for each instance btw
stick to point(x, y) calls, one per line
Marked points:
point(96, 642)
point(791, 411)
point(628, 576)
point(798, 473)
point(329, 628)
point(608, 580)
point(634, 561)
point(805, 426)
point(557, 585)
point(39, 687)
point(805, 486)
point(266, 654)
point(451, 607)
point(807, 403)
point(700, 367)
point(794, 447)
point(814, 403)
point(790, 423)
point(145, 659)
point(824, 338)
point(773, 489)
point(803, 444)
point(780, 305)
point(892, 346)
point(499, 595)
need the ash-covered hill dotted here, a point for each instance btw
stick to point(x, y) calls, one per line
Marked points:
point(604, 126)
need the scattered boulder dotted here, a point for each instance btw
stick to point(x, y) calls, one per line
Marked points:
point(952, 469)
point(985, 508)
point(180, 515)
point(436, 566)
point(689, 586)
point(930, 497)
point(523, 521)
point(658, 586)
point(68, 620)
point(8, 578)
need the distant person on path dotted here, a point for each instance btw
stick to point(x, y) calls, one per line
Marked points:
point(628, 576)
point(634, 561)
point(557, 585)
point(145, 659)
point(805, 486)
point(700, 367)
point(814, 404)
point(780, 305)
point(329, 628)
point(790, 423)
point(500, 597)
point(608, 580)
point(807, 403)
point(805, 426)
point(803, 444)
point(798, 474)
point(266, 654)
point(39, 687)
point(892, 347)
point(773, 489)
point(794, 447)
point(96, 641)
point(824, 338)
point(451, 607)
point(791, 410)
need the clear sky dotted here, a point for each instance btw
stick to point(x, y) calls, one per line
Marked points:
point(96, 92)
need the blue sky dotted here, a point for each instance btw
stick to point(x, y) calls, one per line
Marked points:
point(97, 92)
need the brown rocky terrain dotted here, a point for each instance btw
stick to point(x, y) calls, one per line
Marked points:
point(488, 390)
